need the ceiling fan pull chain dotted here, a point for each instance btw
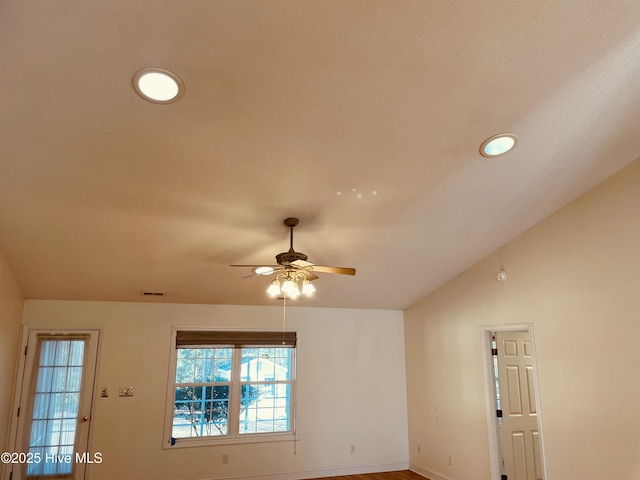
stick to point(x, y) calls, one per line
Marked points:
point(284, 317)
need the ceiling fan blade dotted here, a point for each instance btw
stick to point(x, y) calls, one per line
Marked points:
point(340, 270)
point(255, 268)
point(257, 265)
point(301, 263)
point(310, 276)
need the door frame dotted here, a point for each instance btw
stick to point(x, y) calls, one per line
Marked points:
point(490, 392)
point(20, 389)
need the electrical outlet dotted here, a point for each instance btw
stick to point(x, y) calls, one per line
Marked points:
point(352, 449)
point(126, 391)
point(419, 449)
point(225, 458)
point(451, 460)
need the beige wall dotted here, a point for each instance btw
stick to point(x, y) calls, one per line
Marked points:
point(576, 278)
point(11, 304)
point(351, 390)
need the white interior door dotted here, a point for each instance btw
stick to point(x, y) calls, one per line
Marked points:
point(55, 405)
point(520, 435)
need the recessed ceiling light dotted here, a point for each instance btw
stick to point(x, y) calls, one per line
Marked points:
point(157, 85)
point(263, 270)
point(498, 145)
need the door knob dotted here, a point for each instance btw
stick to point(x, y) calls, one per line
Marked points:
point(85, 419)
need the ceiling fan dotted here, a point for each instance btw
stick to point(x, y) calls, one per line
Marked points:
point(294, 273)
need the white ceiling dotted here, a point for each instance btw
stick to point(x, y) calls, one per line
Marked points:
point(104, 195)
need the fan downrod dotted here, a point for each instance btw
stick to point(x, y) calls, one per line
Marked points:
point(286, 258)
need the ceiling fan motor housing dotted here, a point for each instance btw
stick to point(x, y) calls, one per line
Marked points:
point(285, 258)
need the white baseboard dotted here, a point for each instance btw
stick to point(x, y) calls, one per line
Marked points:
point(426, 473)
point(322, 472)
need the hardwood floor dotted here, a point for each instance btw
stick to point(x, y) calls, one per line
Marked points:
point(401, 475)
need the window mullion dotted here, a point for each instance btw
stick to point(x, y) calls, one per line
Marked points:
point(234, 397)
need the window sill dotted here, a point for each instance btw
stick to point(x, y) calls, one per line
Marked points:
point(244, 439)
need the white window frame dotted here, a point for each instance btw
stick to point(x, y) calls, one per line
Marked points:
point(233, 436)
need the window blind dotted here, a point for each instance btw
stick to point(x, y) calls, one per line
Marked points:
point(192, 338)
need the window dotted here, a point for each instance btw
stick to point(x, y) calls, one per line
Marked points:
point(231, 387)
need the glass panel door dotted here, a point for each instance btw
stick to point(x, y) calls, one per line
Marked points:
point(55, 404)
point(55, 407)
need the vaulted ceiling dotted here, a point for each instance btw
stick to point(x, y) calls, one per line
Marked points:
point(361, 118)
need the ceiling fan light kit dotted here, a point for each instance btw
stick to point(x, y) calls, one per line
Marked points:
point(290, 285)
point(294, 273)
